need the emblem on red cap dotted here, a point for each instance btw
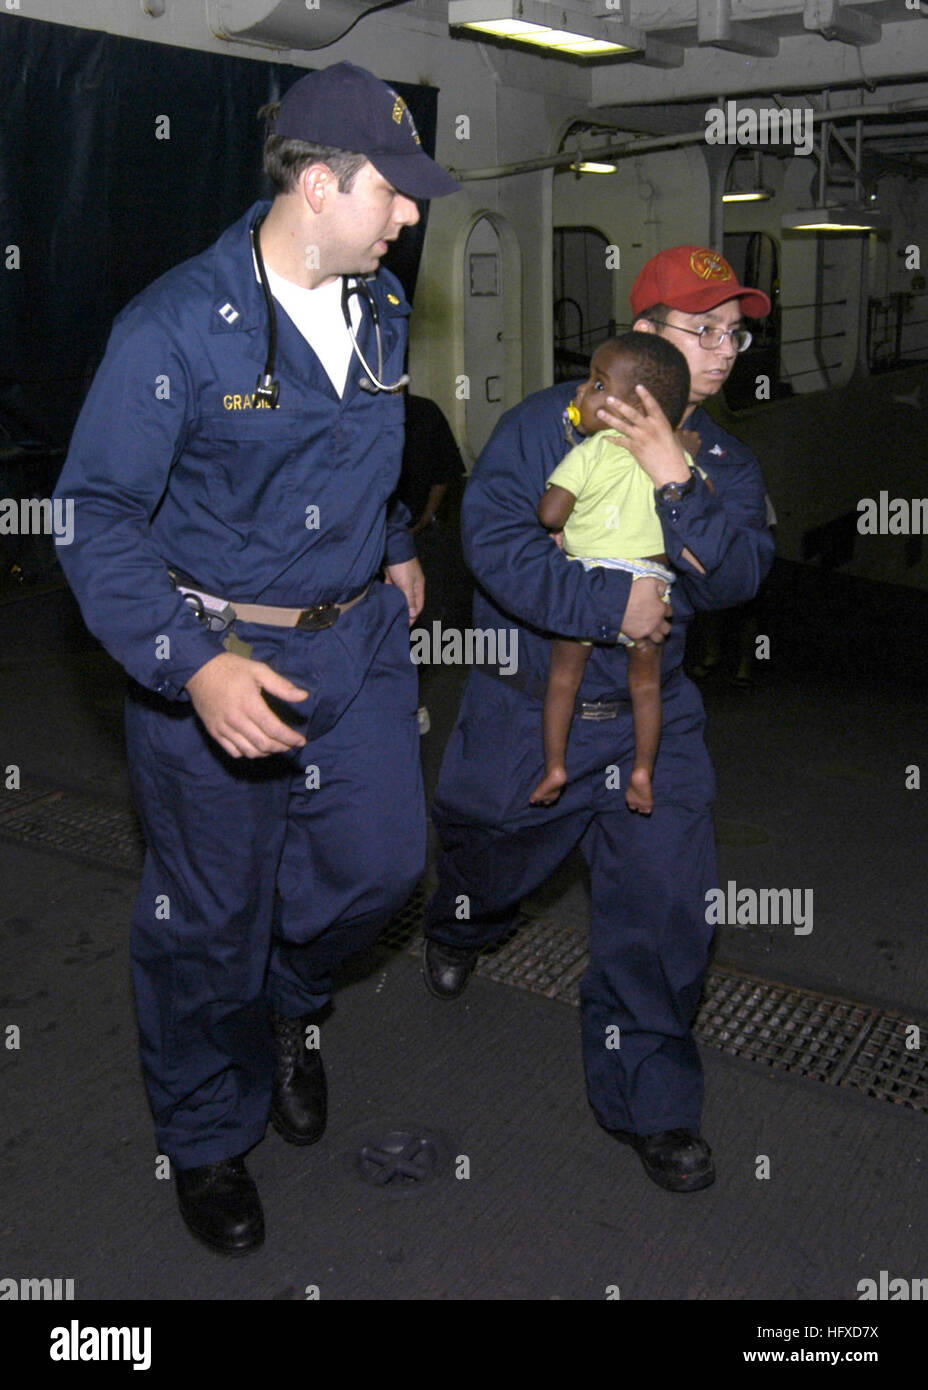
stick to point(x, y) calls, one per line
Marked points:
point(709, 265)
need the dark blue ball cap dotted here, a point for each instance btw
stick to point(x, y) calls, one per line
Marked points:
point(348, 108)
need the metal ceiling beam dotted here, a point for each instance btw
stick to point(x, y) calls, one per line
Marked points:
point(717, 29)
point(660, 54)
point(803, 63)
point(835, 21)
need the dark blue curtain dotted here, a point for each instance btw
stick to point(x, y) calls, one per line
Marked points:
point(98, 206)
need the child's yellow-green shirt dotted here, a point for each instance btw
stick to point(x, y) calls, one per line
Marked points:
point(614, 514)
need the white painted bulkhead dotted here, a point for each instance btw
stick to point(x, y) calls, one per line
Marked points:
point(820, 449)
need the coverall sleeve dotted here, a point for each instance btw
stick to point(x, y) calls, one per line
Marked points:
point(727, 533)
point(401, 544)
point(129, 433)
point(512, 555)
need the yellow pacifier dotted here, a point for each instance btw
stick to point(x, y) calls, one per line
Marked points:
point(573, 414)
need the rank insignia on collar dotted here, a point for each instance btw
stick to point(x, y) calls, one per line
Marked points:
point(392, 299)
point(720, 453)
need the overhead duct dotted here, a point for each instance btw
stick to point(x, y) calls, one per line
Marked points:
point(717, 29)
point(835, 21)
point(284, 23)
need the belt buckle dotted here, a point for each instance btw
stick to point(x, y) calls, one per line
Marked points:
point(215, 619)
point(599, 709)
point(317, 617)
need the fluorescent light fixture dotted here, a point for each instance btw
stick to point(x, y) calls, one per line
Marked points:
point(544, 25)
point(745, 180)
point(591, 46)
point(830, 227)
point(504, 28)
point(592, 166)
point(838, 218)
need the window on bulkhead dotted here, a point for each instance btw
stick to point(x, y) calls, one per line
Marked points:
point(582, 299)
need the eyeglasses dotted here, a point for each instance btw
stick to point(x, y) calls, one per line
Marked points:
point(712, 338)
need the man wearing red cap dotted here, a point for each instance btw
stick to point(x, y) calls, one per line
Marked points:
point(691, 296)
point(244, 434)
point(649, 938)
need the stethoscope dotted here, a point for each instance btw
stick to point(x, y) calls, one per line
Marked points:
point(267, 390)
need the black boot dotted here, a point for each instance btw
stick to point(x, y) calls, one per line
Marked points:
point(446, 969)
point(678, 1159)
point(298, 1105)
point(220, 1204)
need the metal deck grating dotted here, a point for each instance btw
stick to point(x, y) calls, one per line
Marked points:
point(71, 823)
point(887, 1067)
point(783, 1027)
point(789, 1029)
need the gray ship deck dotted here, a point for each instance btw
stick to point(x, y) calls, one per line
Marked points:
point(803, 1035)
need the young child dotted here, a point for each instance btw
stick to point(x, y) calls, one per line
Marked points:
point(604, 503)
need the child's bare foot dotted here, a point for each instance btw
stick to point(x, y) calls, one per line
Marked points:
point(640, 795)
point(549, 788)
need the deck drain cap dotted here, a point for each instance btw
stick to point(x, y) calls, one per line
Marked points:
point(402, 1161)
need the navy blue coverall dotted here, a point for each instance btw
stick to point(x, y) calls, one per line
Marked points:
point(261, 875)
point(649, 938)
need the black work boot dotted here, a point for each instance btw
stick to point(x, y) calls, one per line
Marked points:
point(220, 1204)
point(447, 969)
point(298, 1104)
point(678, 1159)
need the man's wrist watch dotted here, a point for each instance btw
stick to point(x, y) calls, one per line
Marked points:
point(673, 492)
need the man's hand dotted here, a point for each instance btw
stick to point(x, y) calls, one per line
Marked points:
point(409, 577)
point(432, 503)
point(647, 615)
point(227, 695)
point(649, 436)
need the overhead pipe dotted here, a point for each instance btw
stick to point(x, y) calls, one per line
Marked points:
point(629, 148)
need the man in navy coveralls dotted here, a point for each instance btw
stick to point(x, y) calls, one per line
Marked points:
point(649, 937)
point(277, 846)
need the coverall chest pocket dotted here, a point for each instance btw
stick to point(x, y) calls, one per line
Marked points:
point(254, 464)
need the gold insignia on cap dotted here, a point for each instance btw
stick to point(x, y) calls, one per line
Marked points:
point(709, 265)
point(400, 109)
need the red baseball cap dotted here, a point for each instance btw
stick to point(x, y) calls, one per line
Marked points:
point(693, 279)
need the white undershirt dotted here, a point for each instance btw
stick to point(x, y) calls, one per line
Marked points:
point(318, 315)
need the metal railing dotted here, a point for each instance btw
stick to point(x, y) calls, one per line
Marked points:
point(572, 351)
point(895, 336)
